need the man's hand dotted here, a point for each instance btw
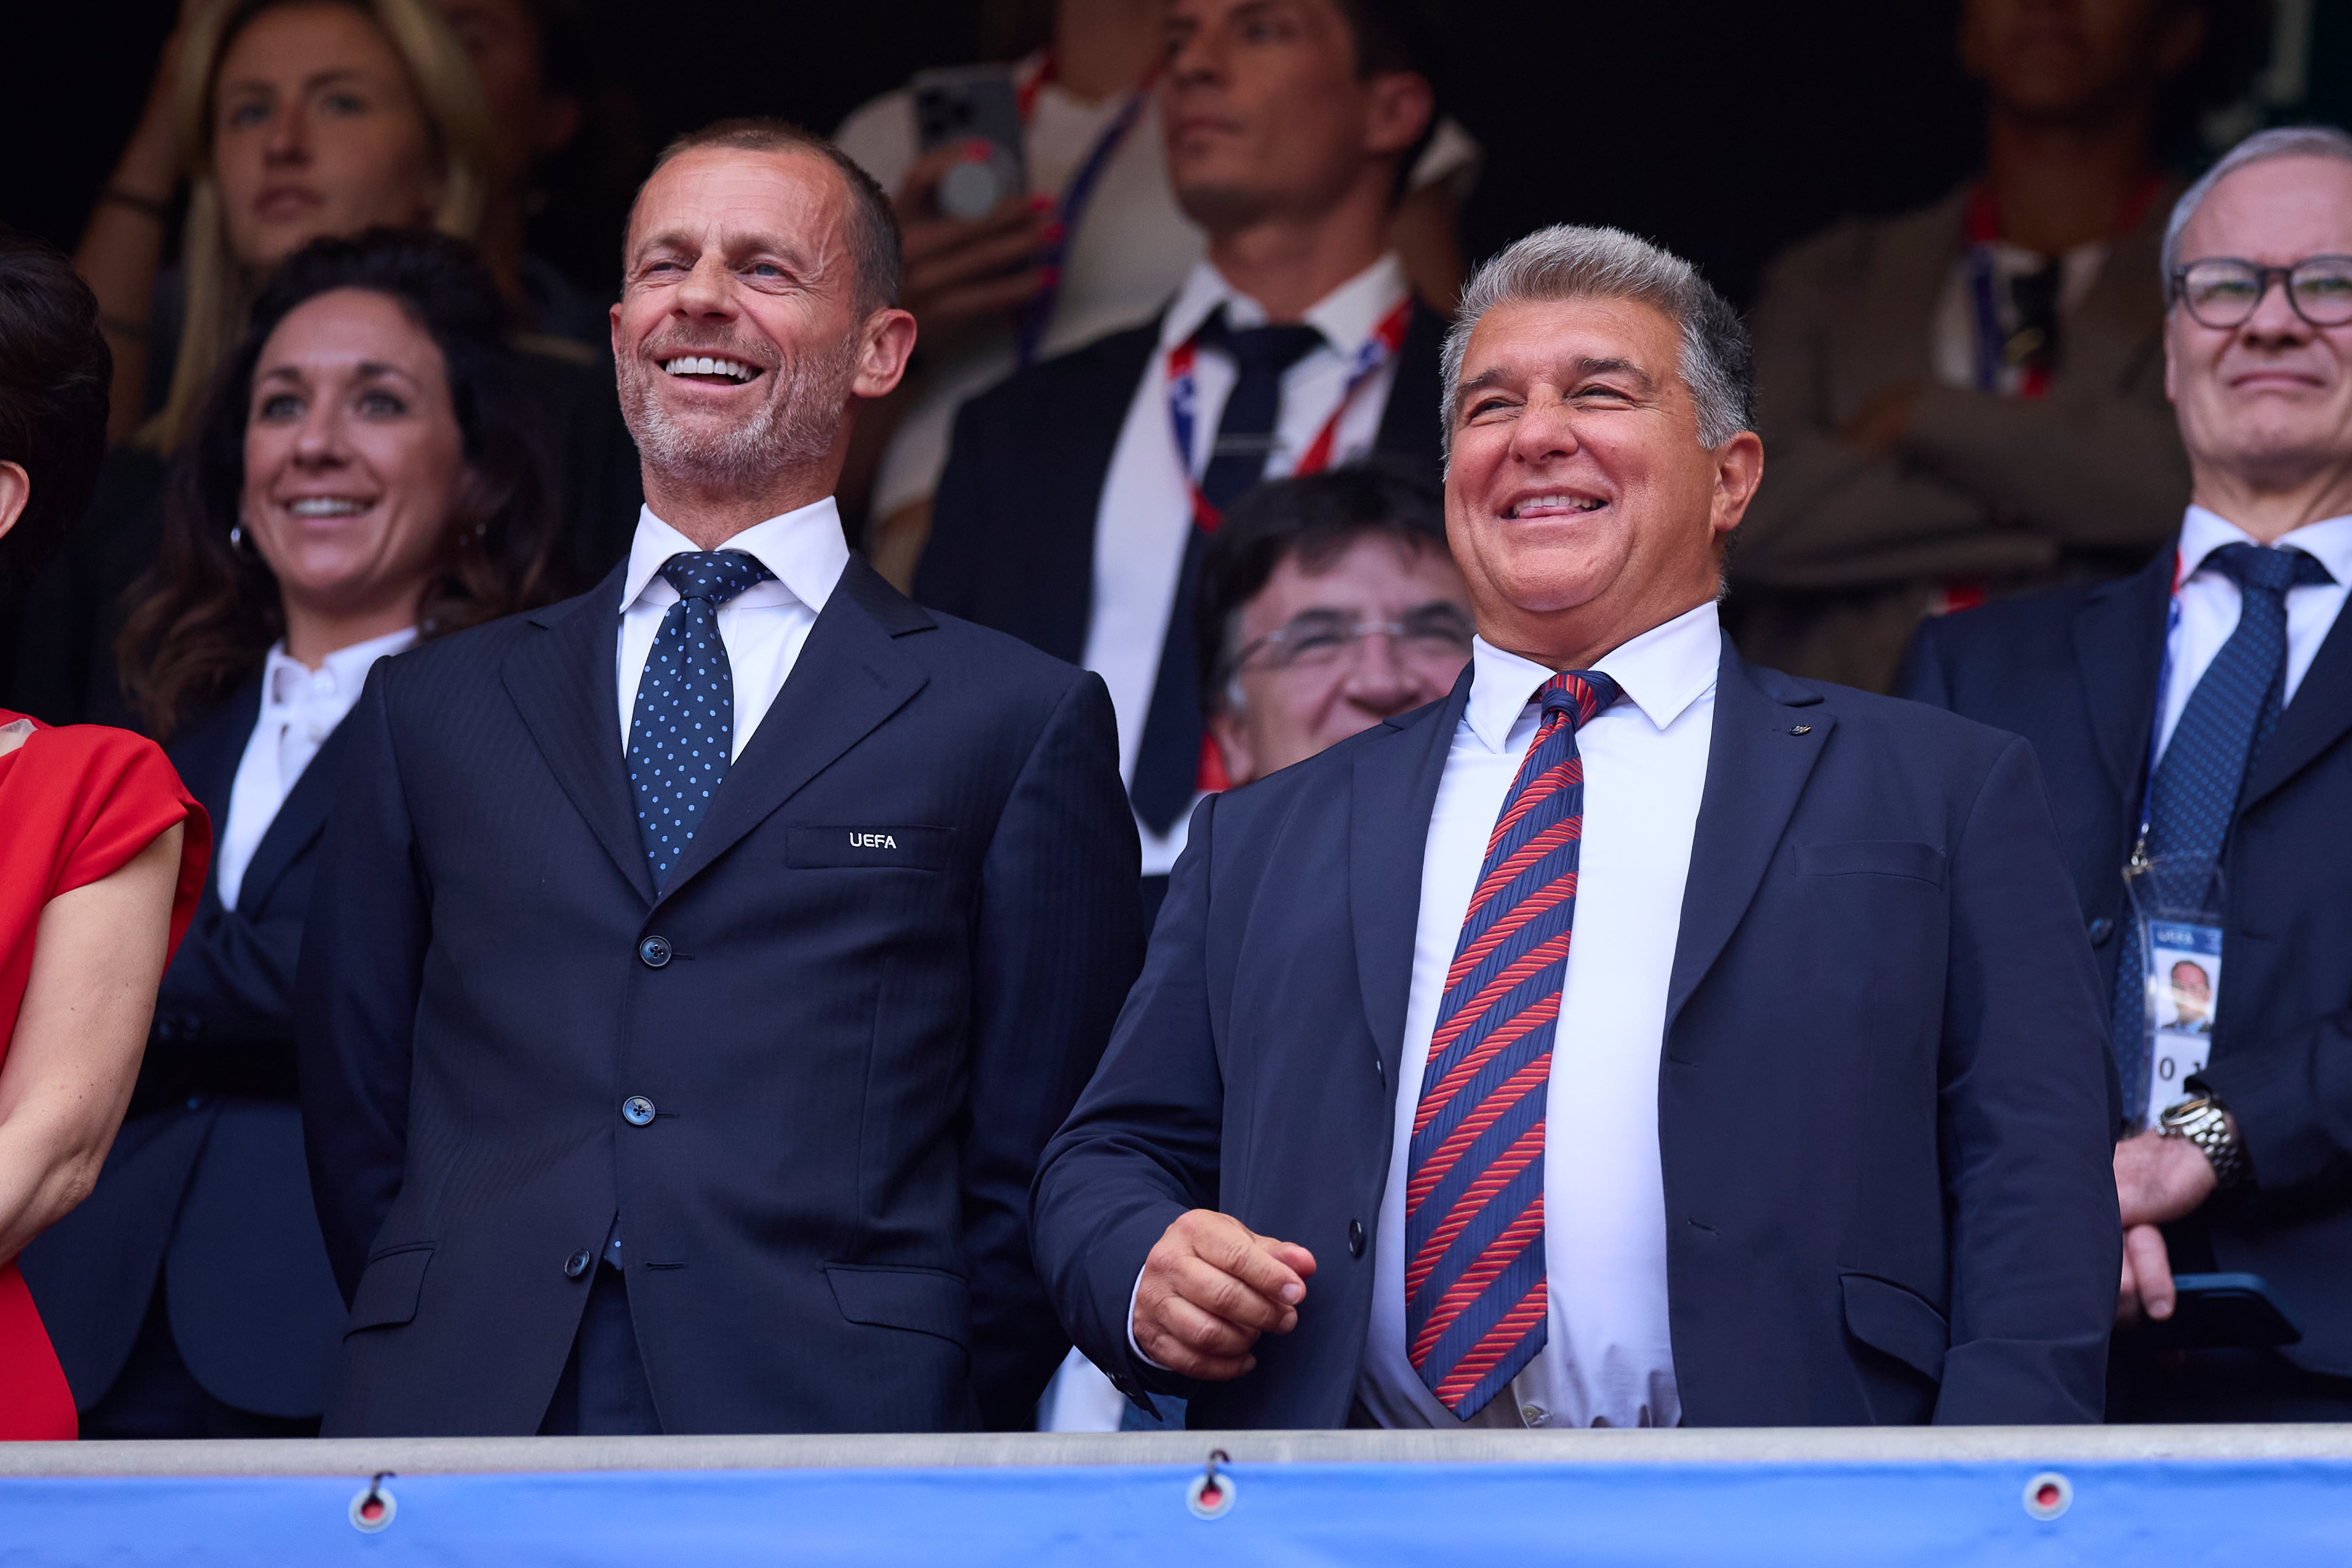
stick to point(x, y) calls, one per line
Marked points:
point(1210, 1287)
point(1883, 424)
point(2157, 1179)
point(958, 270)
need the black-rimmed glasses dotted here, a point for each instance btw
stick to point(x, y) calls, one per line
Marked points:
point(2225, 291)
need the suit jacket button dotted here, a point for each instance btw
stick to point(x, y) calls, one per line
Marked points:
point(654, 950)
point(1355, 1238)
point(577, 1264)
point(2100, 929)
point(637, 1111)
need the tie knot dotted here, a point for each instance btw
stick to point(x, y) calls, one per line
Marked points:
point(1579, 694)
point(717, 575)
point(2272, 571)
point(1262, 348)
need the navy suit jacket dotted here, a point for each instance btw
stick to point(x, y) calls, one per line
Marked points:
point(206, 1181)
point(889, 964)
point(1012, 527)
point(1882, 1106)
point(2074, 670)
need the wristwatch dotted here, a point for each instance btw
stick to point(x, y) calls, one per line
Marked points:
point(2206, 1123)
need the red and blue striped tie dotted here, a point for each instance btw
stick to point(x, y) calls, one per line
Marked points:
point(1475, 1296)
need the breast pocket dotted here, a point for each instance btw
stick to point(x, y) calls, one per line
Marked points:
point(870, 846)
point(1873, 858)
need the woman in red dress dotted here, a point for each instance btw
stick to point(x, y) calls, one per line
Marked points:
point(102, 852)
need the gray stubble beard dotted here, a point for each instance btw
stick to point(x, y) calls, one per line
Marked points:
point(795, 429)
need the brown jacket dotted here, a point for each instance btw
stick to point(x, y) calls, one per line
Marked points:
point(1844, 548)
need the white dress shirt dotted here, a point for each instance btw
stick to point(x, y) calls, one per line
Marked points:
point(2208, 601)
point(763, 627)
point(299, 709)
point(1609, 1358)
point(1146, 512)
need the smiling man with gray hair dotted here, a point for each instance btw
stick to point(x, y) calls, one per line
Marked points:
point(1826, 1048)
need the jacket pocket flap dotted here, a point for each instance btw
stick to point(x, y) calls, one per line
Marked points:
point(1873, 857)
point(818, 849)
point(1904, 1324)
point(388, 1290)
point(928, 1300)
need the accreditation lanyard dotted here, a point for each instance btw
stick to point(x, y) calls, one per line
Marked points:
point(1072, 208)
point(2155, 720)
point(1992, 337)
point(1184, 397)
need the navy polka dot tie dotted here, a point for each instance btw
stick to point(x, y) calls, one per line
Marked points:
point(2194, 796)
point(684, 727)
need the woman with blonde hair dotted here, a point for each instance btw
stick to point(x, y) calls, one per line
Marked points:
point(289, 119)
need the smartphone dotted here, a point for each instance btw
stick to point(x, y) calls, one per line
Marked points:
point(2222, 1311)
point(978, 104)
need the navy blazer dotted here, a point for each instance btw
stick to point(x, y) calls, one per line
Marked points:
point(2074, 670)
point(1012, 527)
point(206, 1181)
point(860, 1006)
point(1882, 1103)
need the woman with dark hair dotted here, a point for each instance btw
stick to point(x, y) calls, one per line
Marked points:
point(102, 850)
point(366, 473)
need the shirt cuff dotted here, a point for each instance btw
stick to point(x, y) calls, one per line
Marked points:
point(1137, 1350)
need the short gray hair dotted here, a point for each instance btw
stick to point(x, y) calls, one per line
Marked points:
point(1569, 262)
point(2281, 141)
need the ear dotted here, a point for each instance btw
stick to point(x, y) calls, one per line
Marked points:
point(889, 343)
point(1234, 747)
point(16, 491)
point(1396, 112)
point(1739, 469)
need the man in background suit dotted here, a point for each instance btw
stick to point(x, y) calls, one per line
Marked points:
point(2226, 669)
point(699, 965)
point(1067, 515)
point(1315, 1179)
point(1967, 399)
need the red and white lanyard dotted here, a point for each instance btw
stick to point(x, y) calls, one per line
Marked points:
point(1184, 397)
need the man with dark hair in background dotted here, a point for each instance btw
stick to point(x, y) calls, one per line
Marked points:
point(1328, 603)
point(1080, 495)
point(1967, 401)
point(699, 964)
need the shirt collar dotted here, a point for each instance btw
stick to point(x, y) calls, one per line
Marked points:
point(1662, 672)
point(1347, 316)
point(806, 549)
point(2328, 541)
point(285, 680)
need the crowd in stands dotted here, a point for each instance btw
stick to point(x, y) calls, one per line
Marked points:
point(927, 818)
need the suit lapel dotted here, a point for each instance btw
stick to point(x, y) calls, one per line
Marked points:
point(1410, 423)
point(207, 759)
point(2319, 716)
point(1394, 791)
point(298, 822)
point(1757, 767)
point(562, 683)
point(850, 677)
point(2119, 655)
point(1078, 435)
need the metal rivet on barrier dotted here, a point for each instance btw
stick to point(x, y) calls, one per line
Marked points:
point(1212, 1495)
point(2048, 1495)
point(373, 1509)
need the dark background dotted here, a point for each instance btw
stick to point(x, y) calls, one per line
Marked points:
point(1723, 129)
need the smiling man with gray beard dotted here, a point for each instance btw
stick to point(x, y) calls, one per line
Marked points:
point(701, 963)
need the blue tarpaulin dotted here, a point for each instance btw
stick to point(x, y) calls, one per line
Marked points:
point(2277, 1514)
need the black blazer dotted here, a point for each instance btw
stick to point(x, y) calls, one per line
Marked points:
point(1013, 526)
point(206, 1181)
point(2074, 671)
point(881, 977)
point(1882, 1106)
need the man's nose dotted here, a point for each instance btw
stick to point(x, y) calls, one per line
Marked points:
point(2274, 320)
point(1381, 679)
point(1545, 428)
point(708, 290)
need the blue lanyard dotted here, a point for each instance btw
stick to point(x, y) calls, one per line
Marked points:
point(1989, 335)
point(2156, 720)
point(1073, 208)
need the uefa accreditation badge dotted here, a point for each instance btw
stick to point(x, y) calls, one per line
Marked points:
point(2177, 901)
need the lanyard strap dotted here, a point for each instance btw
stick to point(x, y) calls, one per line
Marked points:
point(1183, 398)
point(1072, 208)
point(2155, 720)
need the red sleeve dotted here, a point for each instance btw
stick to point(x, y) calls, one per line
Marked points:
point(121, 794)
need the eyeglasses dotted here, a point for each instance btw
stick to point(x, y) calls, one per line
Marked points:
point(1322, 640)
point(2226, 291)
